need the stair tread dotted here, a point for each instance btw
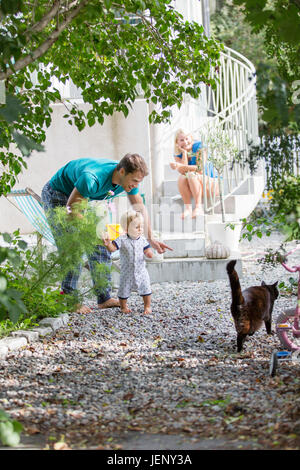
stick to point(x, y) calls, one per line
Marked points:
point(180, 235)
point(235, 255)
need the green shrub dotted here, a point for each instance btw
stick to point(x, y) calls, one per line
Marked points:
point(10, 430)
point(282, 213)
point(285, 205)
point(30, 278)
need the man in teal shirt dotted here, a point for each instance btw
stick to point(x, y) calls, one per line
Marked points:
point(92, 179)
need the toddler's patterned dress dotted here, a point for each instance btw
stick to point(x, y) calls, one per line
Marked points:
point(133, 272)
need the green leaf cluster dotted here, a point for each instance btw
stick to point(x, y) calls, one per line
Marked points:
point(14, 128)
point(10, 430)
point(285, 205)
point(30, 278)
point(282, 214)
point(279, 21)
point(10, 298)
point(281, 154)
point(242, 26)
point(114, 52)
point(221, 149)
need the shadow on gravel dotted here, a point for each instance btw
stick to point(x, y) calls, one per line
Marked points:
point(142, 441)
point(138, 441)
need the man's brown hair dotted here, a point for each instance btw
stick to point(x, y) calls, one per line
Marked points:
point(132, 162)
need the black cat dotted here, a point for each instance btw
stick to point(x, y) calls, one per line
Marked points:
point(251, 307)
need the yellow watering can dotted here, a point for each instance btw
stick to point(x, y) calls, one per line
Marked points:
point(114, 231)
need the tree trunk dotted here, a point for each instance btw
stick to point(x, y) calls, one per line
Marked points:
point(221, 199)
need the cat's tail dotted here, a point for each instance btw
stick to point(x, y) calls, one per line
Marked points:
point(236, 291)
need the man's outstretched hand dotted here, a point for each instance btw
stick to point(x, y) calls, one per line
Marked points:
point(159, 246)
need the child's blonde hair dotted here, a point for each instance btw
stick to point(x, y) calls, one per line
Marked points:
point(128, 217)
point(177, 133)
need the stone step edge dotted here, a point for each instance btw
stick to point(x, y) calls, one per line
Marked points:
point(21, 338)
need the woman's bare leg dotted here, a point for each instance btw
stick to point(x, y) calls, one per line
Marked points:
point(186, 195)
point(196, 187)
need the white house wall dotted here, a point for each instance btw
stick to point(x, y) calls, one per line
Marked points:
point(116, 137)
point(190, 9)
point(113, 139)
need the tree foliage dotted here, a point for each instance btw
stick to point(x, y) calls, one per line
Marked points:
point(279, 20)
point(234, 24)
point(113, 51)
point(268, 34)
point(281, 155)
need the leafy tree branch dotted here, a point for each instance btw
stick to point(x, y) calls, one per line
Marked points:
point(43, 48)
point(110, 50)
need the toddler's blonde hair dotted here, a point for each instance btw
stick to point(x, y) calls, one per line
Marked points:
point(128, 217)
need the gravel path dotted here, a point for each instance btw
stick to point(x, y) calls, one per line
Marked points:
point(173, 373)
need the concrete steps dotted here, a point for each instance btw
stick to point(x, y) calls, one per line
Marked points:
point(187, 261)
point(190, 269)
point(188, 245)
point(168, 220)
point(241, 204)
point(187, 269)
point(170, 187)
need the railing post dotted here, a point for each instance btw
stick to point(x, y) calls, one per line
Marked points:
point(232, 107)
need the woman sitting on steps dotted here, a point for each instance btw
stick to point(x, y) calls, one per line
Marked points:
point(190, 181)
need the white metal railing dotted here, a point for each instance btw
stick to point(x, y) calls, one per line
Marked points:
point(232, 108)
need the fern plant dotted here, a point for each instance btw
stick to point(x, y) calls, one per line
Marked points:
point(30, 278)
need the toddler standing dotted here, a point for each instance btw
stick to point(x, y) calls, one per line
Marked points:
point(133, 273)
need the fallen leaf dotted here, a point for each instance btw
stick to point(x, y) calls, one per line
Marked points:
point(128, 396)
point(135, 427)
point(61, 446)
point(86, 350)
point(32, 430)
point(159, 358)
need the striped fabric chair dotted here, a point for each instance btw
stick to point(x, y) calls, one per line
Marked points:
point(30, 204)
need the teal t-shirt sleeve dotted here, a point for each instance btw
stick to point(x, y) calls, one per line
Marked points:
point(87, 184)
point(134, 191)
